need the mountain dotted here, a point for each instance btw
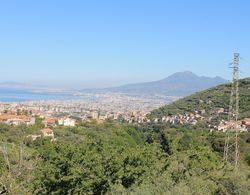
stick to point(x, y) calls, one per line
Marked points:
point(209, 100)
point(178, 84)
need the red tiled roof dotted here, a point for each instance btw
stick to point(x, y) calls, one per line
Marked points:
point(51, 120)
point(5, 117)
point(246, 120)
point(47, 130)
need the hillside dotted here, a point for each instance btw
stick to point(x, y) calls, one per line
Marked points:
point(178, 84)
point(209, 100)
point(112, 158)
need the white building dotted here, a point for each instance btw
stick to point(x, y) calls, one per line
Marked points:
point(67, 122)
point(95, 115)
point(61, 121)
point(70, 122)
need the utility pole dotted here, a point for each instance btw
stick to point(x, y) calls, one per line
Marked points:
point(231, 148)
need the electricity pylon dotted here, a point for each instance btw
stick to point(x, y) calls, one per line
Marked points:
point(231, 148)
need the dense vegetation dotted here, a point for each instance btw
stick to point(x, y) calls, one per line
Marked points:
point(112, 158)
point(209, 100)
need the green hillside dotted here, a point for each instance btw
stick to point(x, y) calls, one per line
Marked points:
point(112, 158)
point(209, 100)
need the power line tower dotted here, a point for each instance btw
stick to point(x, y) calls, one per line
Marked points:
point(231, 148)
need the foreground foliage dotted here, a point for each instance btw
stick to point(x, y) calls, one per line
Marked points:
point(112, 158)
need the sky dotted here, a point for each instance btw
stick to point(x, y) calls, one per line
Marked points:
point(97, 43)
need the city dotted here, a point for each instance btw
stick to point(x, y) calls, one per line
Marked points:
point(130, 108)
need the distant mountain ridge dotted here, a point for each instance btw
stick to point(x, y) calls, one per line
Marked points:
point(178, 84)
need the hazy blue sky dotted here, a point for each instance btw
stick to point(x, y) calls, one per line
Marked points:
point(101, 43)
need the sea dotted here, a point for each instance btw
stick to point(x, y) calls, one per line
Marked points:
point(20, 96)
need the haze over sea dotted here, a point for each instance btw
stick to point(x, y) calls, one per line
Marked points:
point(19, 96)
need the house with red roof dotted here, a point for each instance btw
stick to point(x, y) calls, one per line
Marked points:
point(47, 132)
point(17, 119)
point(50, 122)
point(246, 123)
